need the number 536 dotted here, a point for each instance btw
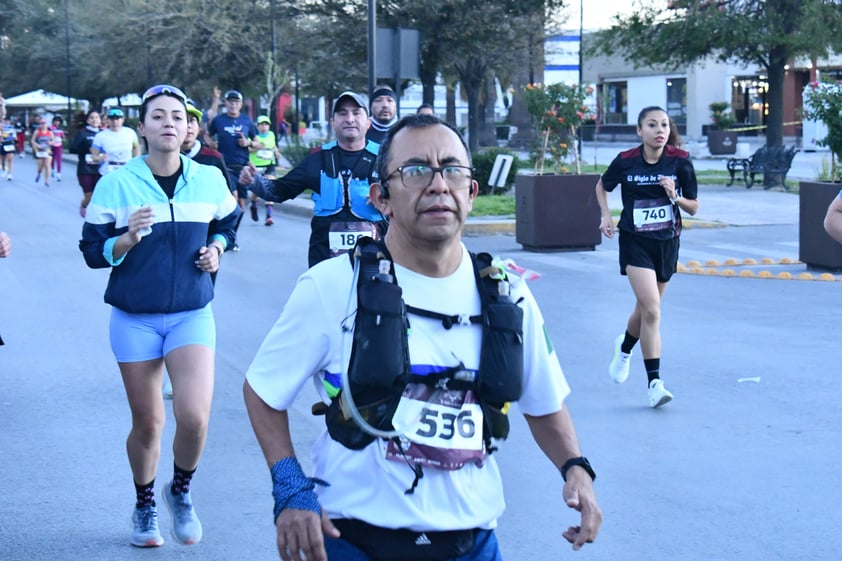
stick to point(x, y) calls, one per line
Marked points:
point(445, 425)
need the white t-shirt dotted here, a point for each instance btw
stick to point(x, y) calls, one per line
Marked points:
point(306, 343)
point(117, 147)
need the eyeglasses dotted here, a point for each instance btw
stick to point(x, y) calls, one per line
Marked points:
point(420, 176)
point(163, 89)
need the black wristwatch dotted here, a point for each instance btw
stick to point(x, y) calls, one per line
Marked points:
point(578, 461)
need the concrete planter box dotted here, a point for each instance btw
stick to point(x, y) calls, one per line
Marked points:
point(557, 212)
point(722, 142)
point(815, 247)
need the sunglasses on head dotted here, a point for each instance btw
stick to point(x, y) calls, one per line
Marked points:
point(164, 89)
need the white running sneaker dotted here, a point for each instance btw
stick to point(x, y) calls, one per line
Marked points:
point(658, 394)
point(185, 528)
point(620, 364)
point(167, 387)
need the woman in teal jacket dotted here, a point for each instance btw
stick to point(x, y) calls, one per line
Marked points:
point(161, 223)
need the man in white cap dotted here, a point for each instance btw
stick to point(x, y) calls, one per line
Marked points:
point(339, 175)
point(115, 146)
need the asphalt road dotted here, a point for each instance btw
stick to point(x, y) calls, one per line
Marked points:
point(730, 470)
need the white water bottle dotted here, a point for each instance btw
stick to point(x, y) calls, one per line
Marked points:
point(145, 231)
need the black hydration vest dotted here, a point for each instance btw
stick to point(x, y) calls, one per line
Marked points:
point(379, 367)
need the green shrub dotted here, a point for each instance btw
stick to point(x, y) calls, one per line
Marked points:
point(484, 162)
point(297, 150)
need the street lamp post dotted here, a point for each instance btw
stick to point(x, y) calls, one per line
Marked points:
point(581, 70)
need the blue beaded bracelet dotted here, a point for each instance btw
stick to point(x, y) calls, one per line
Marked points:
point(292, 489)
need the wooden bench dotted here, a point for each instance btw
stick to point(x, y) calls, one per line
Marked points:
point(772, 161)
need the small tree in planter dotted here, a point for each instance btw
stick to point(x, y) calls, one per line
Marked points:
point(557, 211)
point(721, 116)
point(823, 102)
point(557, 110)
point(720, 139)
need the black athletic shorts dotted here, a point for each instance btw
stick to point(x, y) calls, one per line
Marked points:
point(659, 255)
point(242, 190)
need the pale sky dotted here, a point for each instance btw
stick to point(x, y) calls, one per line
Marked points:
point(598, 13)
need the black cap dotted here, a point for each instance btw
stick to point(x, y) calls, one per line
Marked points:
point(383, 90)
point(233, 94)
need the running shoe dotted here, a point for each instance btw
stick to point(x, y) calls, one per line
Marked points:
point(253, 210)
point(235, 248)
point(9, 177)
point(619, 367)
point(658, 394)
point(168, 388)
point(185, 528)
point(145, 524)
point(37, 178)
point(269, 221)
point(58, 177)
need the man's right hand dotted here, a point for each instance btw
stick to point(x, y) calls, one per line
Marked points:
point(247, 174)
point(301, 536)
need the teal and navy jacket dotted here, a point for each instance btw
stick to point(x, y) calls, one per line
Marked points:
point(159, 274)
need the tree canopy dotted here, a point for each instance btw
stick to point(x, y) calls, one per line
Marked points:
point(769, 33)
point(115, 47)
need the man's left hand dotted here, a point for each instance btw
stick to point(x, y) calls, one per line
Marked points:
point(579, 495)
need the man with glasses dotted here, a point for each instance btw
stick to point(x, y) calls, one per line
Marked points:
point(435, 492)
point(234, 132)
point(113, 147)
point(339, 175)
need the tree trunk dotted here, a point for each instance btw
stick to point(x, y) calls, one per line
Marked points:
point(775, 97)
point(450, 95)
point(488, 135)
point(472, 93)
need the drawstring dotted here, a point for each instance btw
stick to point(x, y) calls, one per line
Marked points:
point(416, 468)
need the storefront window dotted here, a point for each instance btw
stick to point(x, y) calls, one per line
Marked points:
point(748, 99)
point(616, 103)
point(677, 100)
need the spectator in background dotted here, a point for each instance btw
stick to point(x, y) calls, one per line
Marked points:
point(57, 145)
point(20, 137)
point(425, 109)
point(87, 170)
point(383, 108)
point(7, 147)
point(264, 155)
point(42, 141)
point(234, 133)
point(113, 147)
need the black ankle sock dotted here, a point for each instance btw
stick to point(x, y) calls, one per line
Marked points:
point(145, 494)
point(181, 480)
point(653, 368)
point(628, 343)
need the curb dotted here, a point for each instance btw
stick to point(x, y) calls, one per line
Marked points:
point(482, 226)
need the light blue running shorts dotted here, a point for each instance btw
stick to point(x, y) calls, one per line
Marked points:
point(139, 337)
